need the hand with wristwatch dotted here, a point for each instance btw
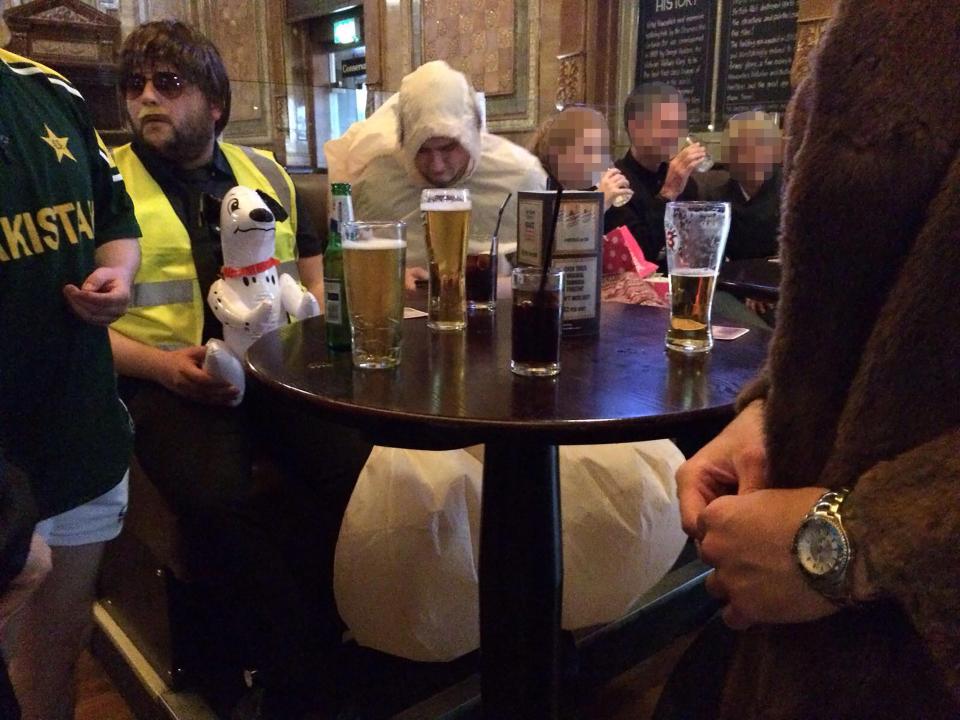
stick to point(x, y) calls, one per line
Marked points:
point(780, 555)
point(823, 550)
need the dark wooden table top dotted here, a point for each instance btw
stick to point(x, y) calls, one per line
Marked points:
point(755, 279)
point(456, 389)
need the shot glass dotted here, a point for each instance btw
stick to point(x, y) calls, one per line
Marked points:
point(696, 235)
point(374, 259)
point(537, 309)
point(446, 219)
point(481, 273)
point(622, 198)
point(707, 161)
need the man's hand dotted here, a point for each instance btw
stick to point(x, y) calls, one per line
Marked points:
point(733, 462)
point(749, 539)
point(680, 168)
point(22, 586)
point(102, 298)
point(184, 375)
point(413, 275)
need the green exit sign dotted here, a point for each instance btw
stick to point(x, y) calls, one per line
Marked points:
point(345, 32)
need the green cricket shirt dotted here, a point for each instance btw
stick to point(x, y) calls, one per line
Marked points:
point(60, 197)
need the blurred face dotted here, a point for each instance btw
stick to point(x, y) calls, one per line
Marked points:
point(655, 133)
point(442, 161)
point(171, 115)
point(577, 164)
point(753, 156)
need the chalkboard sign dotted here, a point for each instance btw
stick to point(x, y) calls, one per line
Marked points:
point(676, 47)
point(757, 37)
point(756, 53)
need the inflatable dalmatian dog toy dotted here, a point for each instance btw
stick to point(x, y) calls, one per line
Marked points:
point(249, 298)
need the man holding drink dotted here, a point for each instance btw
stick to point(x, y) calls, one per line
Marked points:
point(655, 116)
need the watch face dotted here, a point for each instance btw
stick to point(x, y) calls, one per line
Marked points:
point(821, 547)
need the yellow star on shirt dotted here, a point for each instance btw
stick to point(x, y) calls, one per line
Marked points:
point(59, 144)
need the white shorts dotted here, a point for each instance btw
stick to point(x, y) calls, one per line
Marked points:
point(98, 520)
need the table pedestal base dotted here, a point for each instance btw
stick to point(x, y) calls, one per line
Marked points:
point(521, 581)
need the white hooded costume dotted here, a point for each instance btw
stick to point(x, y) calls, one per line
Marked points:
point(377, 157)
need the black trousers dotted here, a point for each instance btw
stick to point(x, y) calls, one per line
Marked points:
point(9, 709)
point(264, 538)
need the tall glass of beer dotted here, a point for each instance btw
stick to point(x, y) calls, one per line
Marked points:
point(696, 234)
point(374, 255)
point(446, 221)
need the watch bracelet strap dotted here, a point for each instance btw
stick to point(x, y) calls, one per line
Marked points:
point(829, 504)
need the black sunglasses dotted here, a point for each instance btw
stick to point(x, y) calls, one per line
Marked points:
point(167, 83)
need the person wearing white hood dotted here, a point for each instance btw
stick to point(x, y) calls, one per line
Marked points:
point(441, 142)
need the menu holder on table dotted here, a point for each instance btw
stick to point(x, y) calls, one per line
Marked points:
point(577, 250)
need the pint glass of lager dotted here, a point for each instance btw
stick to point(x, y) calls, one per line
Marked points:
point(374, 255)
point(696, 234)
point(446, 221)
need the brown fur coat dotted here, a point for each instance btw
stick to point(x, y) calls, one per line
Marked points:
point(863, 385)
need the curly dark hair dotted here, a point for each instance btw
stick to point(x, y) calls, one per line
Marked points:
point(182, 47)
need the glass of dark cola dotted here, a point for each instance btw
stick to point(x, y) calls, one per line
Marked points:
point(537, 310)
point(481, 273)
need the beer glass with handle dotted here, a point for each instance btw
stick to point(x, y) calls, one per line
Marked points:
point(446, 221)
point(696, 234)
point(374, 256)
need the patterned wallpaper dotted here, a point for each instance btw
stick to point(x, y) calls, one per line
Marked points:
point(234, 27)
point(474, 36)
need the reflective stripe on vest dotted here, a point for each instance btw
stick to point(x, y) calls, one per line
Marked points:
point(166, 292)
point(167, 307)
point(271, 171)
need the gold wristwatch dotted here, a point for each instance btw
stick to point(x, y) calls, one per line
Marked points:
point(823, 549)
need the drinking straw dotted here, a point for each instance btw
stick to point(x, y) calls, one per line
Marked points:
point(503, 206)
point(548, 254)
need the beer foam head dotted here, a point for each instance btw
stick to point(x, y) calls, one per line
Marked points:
point(374, 244)
point(458, 206)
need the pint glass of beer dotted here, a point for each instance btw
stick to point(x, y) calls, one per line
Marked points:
point(696, 234)
point(374, 255)
point(446, 221)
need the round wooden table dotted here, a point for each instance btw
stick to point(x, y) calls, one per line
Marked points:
point(453, 390)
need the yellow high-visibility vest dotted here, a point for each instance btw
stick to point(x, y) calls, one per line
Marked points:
point(166, 310)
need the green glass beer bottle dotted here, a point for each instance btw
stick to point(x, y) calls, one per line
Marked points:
point(337, 318)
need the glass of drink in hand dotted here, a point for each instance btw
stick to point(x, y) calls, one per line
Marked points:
point(623, 197)
point(696, 234)
point(623, 194)
point(707, 161)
